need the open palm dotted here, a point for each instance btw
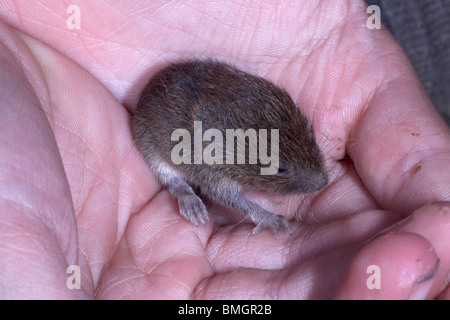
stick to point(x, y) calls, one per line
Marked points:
point(75, 190)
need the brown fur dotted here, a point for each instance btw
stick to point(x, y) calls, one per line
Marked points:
point(225, 98)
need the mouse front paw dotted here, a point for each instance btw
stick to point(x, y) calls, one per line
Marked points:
point(273, 221)
point(193, 209)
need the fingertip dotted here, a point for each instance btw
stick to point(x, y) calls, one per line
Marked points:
point(393, 266)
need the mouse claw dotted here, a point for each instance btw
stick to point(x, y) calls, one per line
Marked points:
point(193, 209)
point(202, 217)
point(274, 222)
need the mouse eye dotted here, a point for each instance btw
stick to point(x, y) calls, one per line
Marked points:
point(283, 171)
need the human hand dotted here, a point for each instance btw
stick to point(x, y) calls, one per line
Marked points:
point(75, 190)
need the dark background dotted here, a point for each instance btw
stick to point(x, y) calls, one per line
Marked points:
point(422, 27)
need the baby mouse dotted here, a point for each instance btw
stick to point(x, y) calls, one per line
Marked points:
point(206, 126)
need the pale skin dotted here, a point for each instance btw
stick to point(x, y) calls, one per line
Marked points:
point(75, 190)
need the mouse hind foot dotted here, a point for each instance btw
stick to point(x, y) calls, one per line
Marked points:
point(263, 219)
point(273, 221)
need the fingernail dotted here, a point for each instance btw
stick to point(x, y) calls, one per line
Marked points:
point(423, 284)
point(420, 292)
point(430, 274)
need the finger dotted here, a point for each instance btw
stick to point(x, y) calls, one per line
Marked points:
point(403, 158)
point(229, 249)
point(433, 223)
point(412, 259)
point(445, 295)
point(37, 226)
point(107, 175)
point(393, 266)
point(314, 279)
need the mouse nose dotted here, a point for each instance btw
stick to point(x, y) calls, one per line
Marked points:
point(311, 183)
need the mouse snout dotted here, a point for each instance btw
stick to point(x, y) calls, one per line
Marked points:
point(311, 183)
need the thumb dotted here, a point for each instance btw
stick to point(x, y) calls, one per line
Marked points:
point(408, 262)
point(393, 266)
